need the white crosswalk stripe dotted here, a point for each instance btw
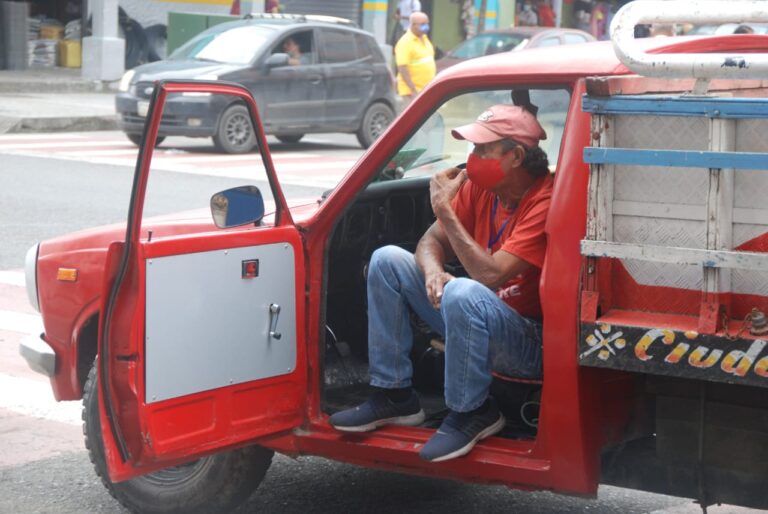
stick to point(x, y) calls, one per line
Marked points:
point(23, 391)
point(12, 278)
point(311, 168)
point(22, 323)
point(35, 398)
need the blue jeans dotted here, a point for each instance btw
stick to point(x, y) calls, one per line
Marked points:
point(482, 333)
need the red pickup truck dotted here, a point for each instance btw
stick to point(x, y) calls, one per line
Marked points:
point(200, 346)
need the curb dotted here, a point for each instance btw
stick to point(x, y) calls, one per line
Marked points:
point(9, 125)
point(56, 86)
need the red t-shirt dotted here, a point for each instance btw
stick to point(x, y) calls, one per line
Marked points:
point(523, 236)
point(546, 16)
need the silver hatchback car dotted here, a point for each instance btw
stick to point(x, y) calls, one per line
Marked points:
point(308, 74)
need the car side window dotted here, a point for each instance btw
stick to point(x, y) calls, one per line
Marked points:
point(299, 46)
point(339, 46)
point(574, 38)
point(363, 50)
point(549, 41)
point(432, 147)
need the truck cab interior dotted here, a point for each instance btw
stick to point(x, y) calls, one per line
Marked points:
point(395, 210)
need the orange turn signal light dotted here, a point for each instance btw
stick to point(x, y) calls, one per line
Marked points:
point(67, 274)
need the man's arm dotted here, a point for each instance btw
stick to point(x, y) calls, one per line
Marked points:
point(432, 252)
point(490, 270)
point(403, 70)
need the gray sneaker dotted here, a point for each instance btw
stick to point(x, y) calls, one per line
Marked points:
point(378, 411)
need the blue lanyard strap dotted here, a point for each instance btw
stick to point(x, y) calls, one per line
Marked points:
point(495, 239)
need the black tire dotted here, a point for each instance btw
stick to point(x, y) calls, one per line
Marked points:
point(235, 132)
point(136, 139)
point(217, 483)
point(289, 138)
point(375, 120)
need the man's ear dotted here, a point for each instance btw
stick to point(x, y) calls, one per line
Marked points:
point(516, 156)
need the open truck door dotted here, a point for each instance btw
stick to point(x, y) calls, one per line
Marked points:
point(200, 337)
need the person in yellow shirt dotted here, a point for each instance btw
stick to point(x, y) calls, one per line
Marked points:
point(415, 58)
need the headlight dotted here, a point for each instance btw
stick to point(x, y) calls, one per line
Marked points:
point(125, 82)
point(30, 275)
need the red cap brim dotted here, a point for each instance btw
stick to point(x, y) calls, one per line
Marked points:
point(476, 133)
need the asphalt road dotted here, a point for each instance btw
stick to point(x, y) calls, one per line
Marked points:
point(43, 465)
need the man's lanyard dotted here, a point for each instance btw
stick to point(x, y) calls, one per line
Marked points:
point(492, 240)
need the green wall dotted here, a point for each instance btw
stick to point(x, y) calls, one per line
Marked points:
point(446, 30)
point(184, 26)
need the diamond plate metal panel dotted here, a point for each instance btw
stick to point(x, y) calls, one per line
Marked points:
point(747, 281)
point(751, 188)
point(743, 232)
point(684, 186)
point(667, 275)
point(661, 232)
point(661, 132)
point(750, 136)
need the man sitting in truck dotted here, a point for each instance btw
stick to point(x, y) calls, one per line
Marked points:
point(494, 224)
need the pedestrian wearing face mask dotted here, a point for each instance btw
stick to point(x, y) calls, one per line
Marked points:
point(527, 16)
point(415, 58)
point(491, 218)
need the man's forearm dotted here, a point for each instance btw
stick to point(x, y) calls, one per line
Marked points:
point(480, 264)
point(407, 78)
point(430, 255)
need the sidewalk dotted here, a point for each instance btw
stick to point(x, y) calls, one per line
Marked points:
point(54, 100)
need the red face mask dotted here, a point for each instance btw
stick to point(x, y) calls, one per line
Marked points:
point(484, 173)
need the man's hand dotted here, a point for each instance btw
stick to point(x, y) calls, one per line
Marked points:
point(435, 282)
point(443, 187)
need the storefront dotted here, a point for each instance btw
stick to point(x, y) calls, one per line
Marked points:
point(349, 9)
point(40, 33)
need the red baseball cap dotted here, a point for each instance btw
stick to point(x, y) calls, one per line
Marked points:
point(503, 122)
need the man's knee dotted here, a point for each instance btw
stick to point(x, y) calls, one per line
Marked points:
point(389, 257)
point(463, 293)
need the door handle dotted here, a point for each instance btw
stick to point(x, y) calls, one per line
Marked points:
point(315, 79)
point(274, 314)
point(366, 75)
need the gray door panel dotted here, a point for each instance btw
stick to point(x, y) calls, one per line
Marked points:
point(207, 327)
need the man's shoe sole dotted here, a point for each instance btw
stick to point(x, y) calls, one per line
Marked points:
point(488, 432)
point(408, 421)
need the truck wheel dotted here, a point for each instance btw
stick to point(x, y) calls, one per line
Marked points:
point(136, 139)
point(217, 483)
point(289, 138)
point(235, 133)
point(375, 120)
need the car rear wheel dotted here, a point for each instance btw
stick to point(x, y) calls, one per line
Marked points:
point(289, 138)
point(136, 139)
point(217, 483)
point(235, 133)
point(375, 120)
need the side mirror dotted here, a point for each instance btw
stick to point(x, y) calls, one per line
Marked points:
point(276, 61)
point(237, 206)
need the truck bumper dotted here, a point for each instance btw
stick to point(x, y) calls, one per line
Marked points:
point(38, 354)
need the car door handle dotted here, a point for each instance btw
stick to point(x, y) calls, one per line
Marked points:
point(366, 75)
point(274, 313)
point(315, 79)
